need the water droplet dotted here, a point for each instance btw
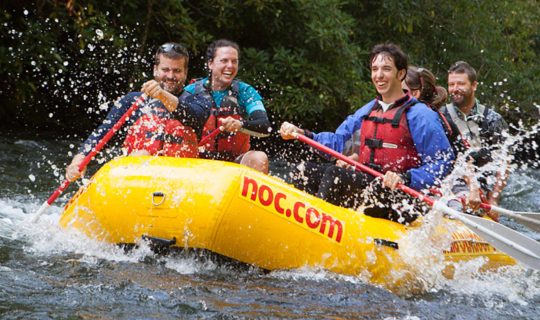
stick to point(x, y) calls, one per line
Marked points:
point(26, 13)
point(99, 34)
point(50, 115)
point(32, 177)
point(66, 63)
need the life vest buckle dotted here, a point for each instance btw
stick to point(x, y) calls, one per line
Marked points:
point(374, 143)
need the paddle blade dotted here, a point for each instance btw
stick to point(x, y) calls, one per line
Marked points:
point(529, 219)
point(530, 215)
point(40, 211)
point(513, 243)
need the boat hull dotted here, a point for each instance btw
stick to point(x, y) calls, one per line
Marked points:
point(237, 212)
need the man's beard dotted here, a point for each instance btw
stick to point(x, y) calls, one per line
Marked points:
point(174, 89)
point(462, 99)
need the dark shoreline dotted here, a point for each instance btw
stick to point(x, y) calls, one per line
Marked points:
point(526, 152)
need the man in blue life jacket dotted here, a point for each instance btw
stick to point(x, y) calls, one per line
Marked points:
point(394, 134)
point(483, 131)
point(170, 73)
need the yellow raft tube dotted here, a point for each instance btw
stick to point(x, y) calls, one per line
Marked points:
point(257, 219)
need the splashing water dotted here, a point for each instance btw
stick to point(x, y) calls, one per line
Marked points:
point(44, 260)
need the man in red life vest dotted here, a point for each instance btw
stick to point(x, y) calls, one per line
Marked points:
point(394, 133)
point(156, 128)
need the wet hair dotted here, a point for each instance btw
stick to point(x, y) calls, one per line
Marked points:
point(422, 79)
point(391, 50)
point(212, 48)
point(211, 54)
point(464, 67)
point(172, 50)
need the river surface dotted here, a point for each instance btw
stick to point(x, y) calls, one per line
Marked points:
point(50, 273)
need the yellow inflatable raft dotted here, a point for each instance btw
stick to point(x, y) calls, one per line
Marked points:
point(242, 214)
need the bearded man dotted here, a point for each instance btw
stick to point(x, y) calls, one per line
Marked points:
point(482, 129)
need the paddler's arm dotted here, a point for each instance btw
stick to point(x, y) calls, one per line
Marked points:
point(257, 119)
point(342, 164)
point(258, 122)
point(473, 199)
point(334, 140)
point(497, 129)
point(338, 140)
point(152, 89)
point(392, 179)
point(432, 146)
point(72, 170)
point(288, 131)
point(493, 196)
point(501, 179)
point(497, 133)
point(116, 111)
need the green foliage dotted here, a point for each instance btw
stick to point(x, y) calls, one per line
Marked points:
point(498, 38)
point(308, 58)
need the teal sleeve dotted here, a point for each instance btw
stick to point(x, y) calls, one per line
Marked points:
point(249, 98)
point(190, 88)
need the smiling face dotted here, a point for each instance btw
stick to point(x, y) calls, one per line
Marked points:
point(386, 78)
point(224, 67)
point(461, 91)
point(171, 74)
point(413, 92)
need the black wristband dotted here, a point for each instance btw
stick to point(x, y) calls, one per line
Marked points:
point(406, 177)
point(308, 133)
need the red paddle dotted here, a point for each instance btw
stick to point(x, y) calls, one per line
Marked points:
point(513, 243)
point(89, 156)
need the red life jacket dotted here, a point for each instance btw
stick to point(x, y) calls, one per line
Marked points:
point(161, 136)
point(386, 143)
point(227, 145)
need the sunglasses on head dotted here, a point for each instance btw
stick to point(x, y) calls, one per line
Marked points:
point(171, 47)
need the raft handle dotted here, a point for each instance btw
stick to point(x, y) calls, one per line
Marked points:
point(159, 245)
point(158, 194)
point(388, 243)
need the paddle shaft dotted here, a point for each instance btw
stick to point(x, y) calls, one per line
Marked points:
point(217, 131)
point(505, 239)
point(91, 154)
point(402, 187)
point(211, 135)
point(511, 213)
point(528, 219)
point(362, 167)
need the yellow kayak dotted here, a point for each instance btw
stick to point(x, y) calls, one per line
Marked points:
point(257, 219)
